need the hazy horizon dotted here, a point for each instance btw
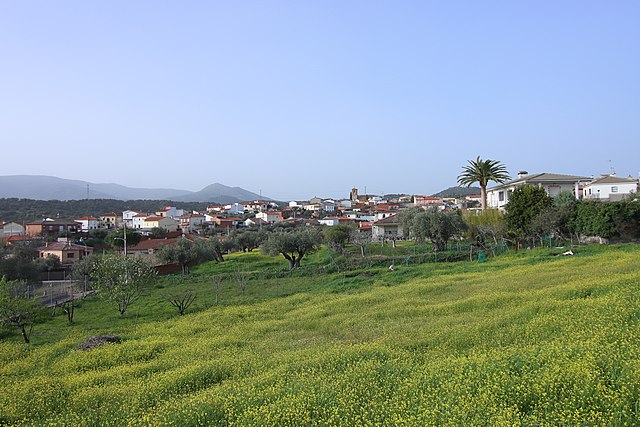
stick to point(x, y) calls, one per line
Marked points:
point(301, 99)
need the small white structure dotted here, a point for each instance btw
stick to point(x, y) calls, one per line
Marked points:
point(127, 217)
point(170, 212)
point(138, 220)
point(190, 222)
point(271, 217)
point(11, 229)
point(87, 223)
point(388, 227)
point(610, 188)
point(235, 209)
point(330, 221)
point(168, 224)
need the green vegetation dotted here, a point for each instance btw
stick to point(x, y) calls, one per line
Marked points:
point(482, 172)
point(13, 209)
point(522, 339)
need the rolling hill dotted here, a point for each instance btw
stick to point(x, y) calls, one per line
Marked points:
point(41, 187)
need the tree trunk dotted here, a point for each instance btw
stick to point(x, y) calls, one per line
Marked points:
point(362, 251)
point(25, 336)
point(483, 194)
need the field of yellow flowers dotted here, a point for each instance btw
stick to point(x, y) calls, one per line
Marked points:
point(519, 340)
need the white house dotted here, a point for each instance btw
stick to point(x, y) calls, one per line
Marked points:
point(168, 224)
point(330, 221)
point(256, 206)
point(609, 188)
point(87, 223)
point(328, 206)
point(170, 212)
point(250, 222)
point(296, 204)
point(138, 220)
point(346, 203)
point(553, 184)
point(190, 222)
point(388, 227)
point(271, 217)
point(127, 217)
point(11, 229)
point(235, 208)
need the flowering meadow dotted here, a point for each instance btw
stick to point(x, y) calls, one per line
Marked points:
point(525, 339)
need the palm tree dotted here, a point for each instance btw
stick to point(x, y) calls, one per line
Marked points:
point(483, 171)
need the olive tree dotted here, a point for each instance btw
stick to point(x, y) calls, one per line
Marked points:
point(17, 310)
point(293, 245)
point(120, 279)
point(434, 224)
point(337, 236)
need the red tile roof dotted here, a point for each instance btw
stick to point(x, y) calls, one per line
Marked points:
point(145, 245)
point(154, 219)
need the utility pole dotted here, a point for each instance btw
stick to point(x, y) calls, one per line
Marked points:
point(125, 238)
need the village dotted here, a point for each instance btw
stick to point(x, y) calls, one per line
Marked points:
point(374, 216)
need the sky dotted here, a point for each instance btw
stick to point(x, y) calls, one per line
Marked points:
point(304, 98)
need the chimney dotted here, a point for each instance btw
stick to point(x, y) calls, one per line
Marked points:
point(522, 174)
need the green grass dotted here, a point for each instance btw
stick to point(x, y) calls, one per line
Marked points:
point(522, 339)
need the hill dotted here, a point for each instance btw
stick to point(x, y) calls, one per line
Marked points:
point(458, 192)
point(40, 187)
point(524, 339)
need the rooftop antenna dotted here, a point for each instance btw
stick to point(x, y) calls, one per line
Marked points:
point(611, 169)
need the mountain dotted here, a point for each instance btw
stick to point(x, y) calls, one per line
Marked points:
point(41, 187)
point(216, 191)
point(458, 192)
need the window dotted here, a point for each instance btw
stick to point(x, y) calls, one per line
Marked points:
point(614, 189)
point(71, 255)
point(501, 196)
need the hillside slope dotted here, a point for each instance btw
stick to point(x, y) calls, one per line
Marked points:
point(41, 187)
point(526, 339)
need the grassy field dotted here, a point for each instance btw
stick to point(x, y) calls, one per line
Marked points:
point(523, 339)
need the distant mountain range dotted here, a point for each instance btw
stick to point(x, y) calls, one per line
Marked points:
point(41, 187)
point(458, 192)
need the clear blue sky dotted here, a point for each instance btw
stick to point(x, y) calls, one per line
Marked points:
point(301, 98)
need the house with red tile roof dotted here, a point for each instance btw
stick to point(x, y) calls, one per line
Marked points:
point(67, 253)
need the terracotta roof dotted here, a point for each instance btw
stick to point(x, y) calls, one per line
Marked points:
point(18, 238)
point(141, 214)
point(87, 218)
point(62, 246)
point(110, 214)
point(154, 219)
point(390, 220)
point(145, 245)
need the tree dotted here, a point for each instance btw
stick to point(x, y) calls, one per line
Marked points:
point(213, 248)
point(293, 245)
point(184, 252)
point(247, 241)
point(483, 171)
point(116, 238)
point(337, 236)
point(525, 203)
point(433, 224)
point(361, 239)
point(17, 262)
point(182, 301)
point(17, 310)
point(566, 206)
point(158, 233)
point(119, 279)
